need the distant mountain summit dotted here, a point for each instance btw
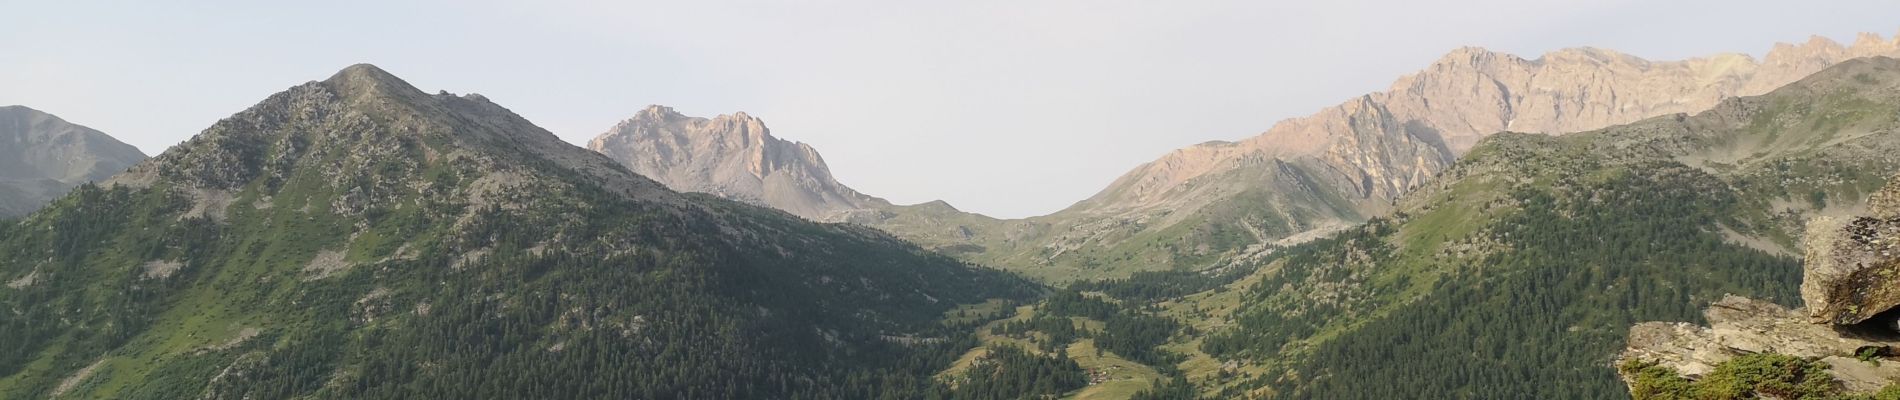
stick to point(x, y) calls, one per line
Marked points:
point(734, 156)
point(43, 156)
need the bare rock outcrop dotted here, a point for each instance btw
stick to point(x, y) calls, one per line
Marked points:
point(1853, 265)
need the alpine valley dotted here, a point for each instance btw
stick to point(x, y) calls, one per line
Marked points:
point(1585, 224)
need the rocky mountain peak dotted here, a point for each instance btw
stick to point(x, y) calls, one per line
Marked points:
point(1816, 48)
point(365, 126)
point(1872, 43)
point(1824, 43)
point(1591, 56)
point(656, 112)
point(368, 77)
point(366, 83)
point(1471, 57)
point(744, 130)
point(734, 156)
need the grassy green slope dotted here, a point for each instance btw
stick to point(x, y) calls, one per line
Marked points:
point(1263, 203)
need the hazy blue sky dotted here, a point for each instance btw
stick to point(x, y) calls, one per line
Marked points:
point(1010, 108)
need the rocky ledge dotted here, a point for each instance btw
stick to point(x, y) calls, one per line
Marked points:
point(1851, 322)
point(1741, 326)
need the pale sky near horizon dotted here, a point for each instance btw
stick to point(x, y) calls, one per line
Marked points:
point(1008, 108)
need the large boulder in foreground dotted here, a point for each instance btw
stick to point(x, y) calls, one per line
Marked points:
point(1739, 326)
point(1852, 272)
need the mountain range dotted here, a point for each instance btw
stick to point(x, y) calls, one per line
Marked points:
point(358, 238)
point(1501, 264)
point(1300, 179)
point(43, 156)
point(1489, 227)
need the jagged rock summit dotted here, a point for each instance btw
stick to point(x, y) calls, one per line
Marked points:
point(733, 156)
point(43, 156)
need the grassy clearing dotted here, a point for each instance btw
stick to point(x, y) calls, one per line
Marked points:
point(1207, 312)
point(1122, 378)
point(971, 313)
point(1022, 313)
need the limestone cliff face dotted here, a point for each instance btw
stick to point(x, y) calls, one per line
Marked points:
point(1378, 145)
point(733, 156)
point(41, 156)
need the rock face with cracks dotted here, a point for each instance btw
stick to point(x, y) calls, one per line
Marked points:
point(1853, 272)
